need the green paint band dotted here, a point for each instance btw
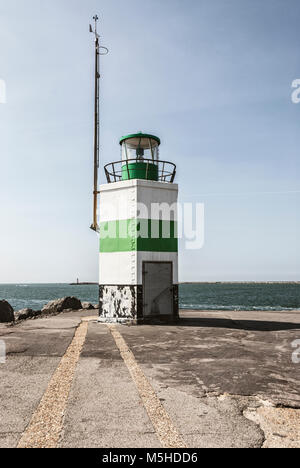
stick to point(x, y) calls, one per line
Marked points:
point(144, 235)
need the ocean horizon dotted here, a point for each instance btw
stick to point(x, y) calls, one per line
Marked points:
point(246, 295)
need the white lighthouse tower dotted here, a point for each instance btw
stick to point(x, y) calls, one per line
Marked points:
point(137, 226)
point(138, 235)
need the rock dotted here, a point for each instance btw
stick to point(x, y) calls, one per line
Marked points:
point(37, 313)
point(26, 314)
point(96, 307)
point(6, 312)
point(60, 305)
point(87, 306)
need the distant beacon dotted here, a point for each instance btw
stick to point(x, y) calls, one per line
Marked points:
point(138, 236)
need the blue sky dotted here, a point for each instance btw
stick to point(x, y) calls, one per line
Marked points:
point(212, 78)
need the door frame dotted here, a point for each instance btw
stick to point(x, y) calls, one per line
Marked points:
point(172, 286)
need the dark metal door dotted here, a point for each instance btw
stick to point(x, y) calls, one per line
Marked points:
point(158, 288)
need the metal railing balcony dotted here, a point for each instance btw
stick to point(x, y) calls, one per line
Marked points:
point(145, 169)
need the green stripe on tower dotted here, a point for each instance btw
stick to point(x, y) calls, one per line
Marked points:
point(143, 235)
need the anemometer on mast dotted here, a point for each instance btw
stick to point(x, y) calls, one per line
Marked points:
point(99, 50)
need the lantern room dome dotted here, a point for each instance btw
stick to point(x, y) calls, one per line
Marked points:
point(142, 138)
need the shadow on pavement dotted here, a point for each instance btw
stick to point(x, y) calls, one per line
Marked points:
point(255, 325)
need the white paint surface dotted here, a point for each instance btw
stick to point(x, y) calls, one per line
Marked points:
point(126, 268)
point(121, 200)
point(118, 268)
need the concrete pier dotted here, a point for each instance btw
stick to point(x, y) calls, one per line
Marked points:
point(224, 379)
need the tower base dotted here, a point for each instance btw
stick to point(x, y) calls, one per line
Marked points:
point(125, 304)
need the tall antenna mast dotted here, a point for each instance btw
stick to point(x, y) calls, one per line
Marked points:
point(99, 50)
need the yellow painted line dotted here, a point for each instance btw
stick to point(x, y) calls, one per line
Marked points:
point(46, 424)
point(162, 423)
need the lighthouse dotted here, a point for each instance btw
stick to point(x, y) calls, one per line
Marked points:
point(138, 280)
point(136, 219)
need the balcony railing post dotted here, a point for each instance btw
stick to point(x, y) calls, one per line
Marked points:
point(128, 169)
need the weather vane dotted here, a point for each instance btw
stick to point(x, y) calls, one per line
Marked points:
point(95, 18)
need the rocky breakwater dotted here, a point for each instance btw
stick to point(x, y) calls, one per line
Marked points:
point(62, 305)
point(66, 304)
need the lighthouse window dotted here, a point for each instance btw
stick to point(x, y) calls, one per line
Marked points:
point(140, 149)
